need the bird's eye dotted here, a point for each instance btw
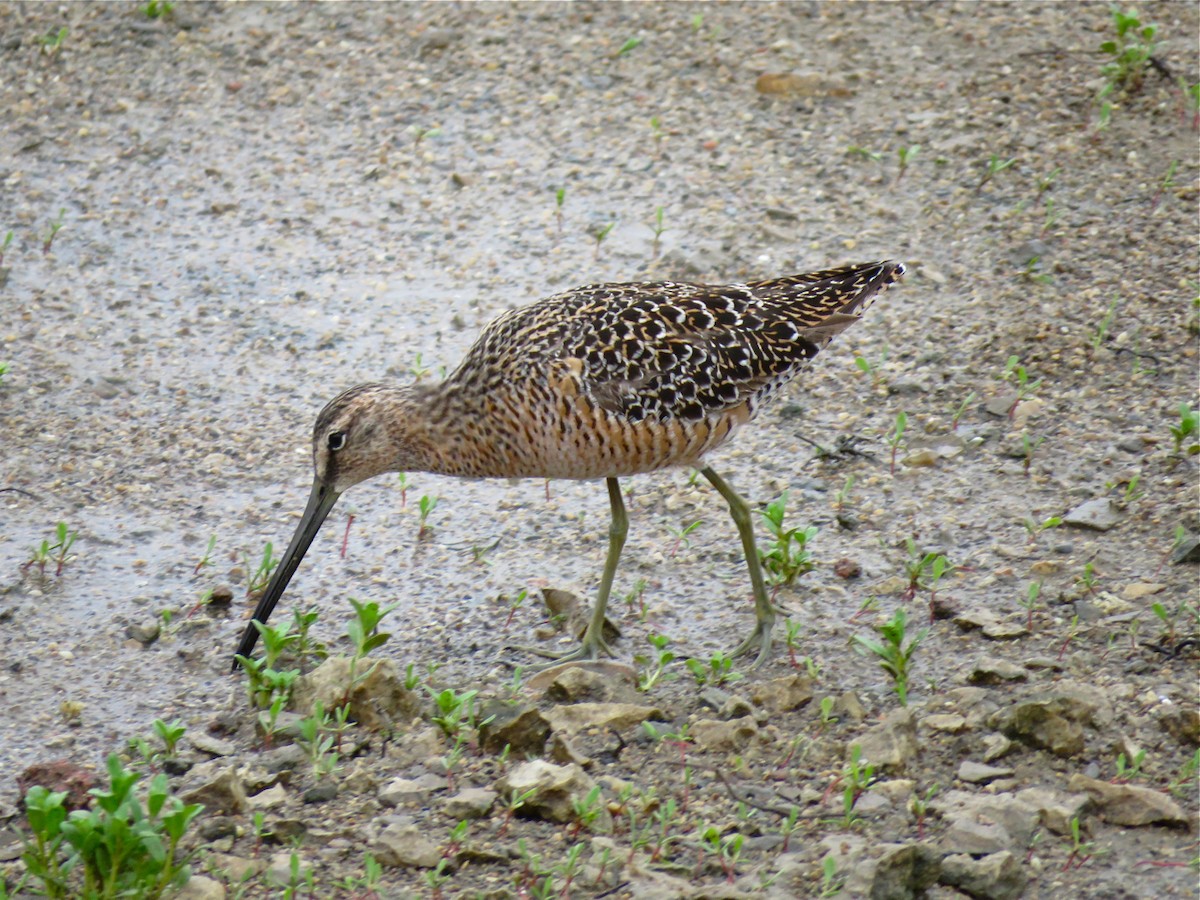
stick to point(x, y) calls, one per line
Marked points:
point(337, 440)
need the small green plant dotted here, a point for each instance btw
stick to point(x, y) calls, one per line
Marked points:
point(637, 598)
point(857, 777)
point(425, 506)
point(787, 557)
point(923, 570)
point(1029, 445)
point(1030, 603)
point(655, 670)
point(995, 165)
point(317, 735)
point(402, 477)
point(599, 235)
point(1166, 184)
point(587, 810)
point(895, 652)
point(3, 371)
point(681, 536)
point(1185, 434)
point(1016, 373)
point(727, 849)
point(455, 711)
point(513, 605)
point(717, 671)
point(52, 41)
point(1127, 769)
point(206, 559)
point(1184, 783)
point(123, 846)
point(962, 408)
point(1081, 850)
point(873, 369)
point(5, 244)
point(560, 197)
point(1087, 579)
point(895, 437)
point(261, 575)
point(157, 9)
point(1100, 335)
point(1129, 52)
point(832, 881)
point(58, 552)
point(54, 229)
point(629, 46)
point(659, 228)
point(1033, 527)
point(865, 153)
point(905, 156)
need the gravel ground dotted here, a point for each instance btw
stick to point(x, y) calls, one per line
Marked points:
point(222, 218)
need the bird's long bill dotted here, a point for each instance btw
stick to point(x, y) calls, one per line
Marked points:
point(320, 502)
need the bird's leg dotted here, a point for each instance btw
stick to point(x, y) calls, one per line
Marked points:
point(763, 610)
point(593, 645)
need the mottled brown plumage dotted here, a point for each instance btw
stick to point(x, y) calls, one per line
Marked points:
point(603, 381)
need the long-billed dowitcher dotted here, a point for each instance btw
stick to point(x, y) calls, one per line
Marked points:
point(603, 381)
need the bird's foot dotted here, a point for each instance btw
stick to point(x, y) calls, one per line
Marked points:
point(587, 651)
point(760, 637)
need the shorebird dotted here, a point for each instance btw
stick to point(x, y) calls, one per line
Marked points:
point(603, 381)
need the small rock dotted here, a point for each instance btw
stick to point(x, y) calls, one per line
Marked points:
point(800, 84)
point(951, 723)
point(471, 803)
point(222, 792)
point(890, 745)
point(280, 872)
point(1138, 590)
point(1126, 804)
point(1054, 719)
point(995, 671)
point(1055, 809)
point(577, 684)
point(521, 727)
point(724, 737)
point(581, 716)
point(321, 793)
point(984, 823)
point(145, 633)
point(785, 694)
point(404, 790)
point(1100, 514)
point(847, 568)
point(268, 799)
point(552, 789)
point(978, 773)
point(221, 596)
point(995, 746)
point(213, 746)
point(405, 845)
point(563, 750)
point(850, 707)
point(1186, 550)
point(611, 671)
point(900, 871)
point(198, 887)
point(1181, 723)
point(376, 701)
point(997, 876)
point(577, 613)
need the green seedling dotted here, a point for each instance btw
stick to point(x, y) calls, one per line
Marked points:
point(924, 570)
point(1184, 783)
point(1030, 603)
point(895, 652)
point(1185, 434)
point(1029, 446)
point(865, 153)
point(681, 537)
point(402, 477)
point(727, 849)
point(920, 809)
point(857, 777)
point(599, 235)
point(123, 846)
point(1072, 631)
point(169, 733)
point(1081, 850)
point(1167, 184)
point(629, 46)
point(905, 156)
point(316, 737)
point(586, 810)
point(873, 369)
point(1129, 51)
point(637, 597)
point(718, 670)
point(58, 552)
point(826, 713)
point(53, 230)
point(1127, 769)
point(157, 9)
point(206, 559)
point(655, 670)
point(1015, 372)
point(1034, 528)
point(261, 575)
point(420, 134)
point(787, 557)
point(3, 371)
point(264, 684)
point(1100, 335)
point(455, 711)
point(560, 197)
point(658, 135)
point(842, 497)
point(995, 165)
point(832, 881)
point(895, 437)
point(425, 506)
point(962, 409)
point(1087, 580)
point(52, 41)
point(659, 228)
point(513, 606)
point(514, 803)
point(5, 244)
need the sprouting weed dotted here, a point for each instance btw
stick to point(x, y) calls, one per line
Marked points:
point(655, 670)
point(425, 506)
point(905, 156)
point(1185, 434)
point(599, 235)
point(206, 559)
point(718, 670)
point(262, 573)
point(1100, 335)
point(787, 557)
point(865, 153)
point(55, 227)
point(681, 537)
point(629, 46)
point(894, 652)
point(962, 408)
point(560, 197)
point(895, 437)
point(995, 165)
point(58, 551)
point(1030, 603)
point(659, 228)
